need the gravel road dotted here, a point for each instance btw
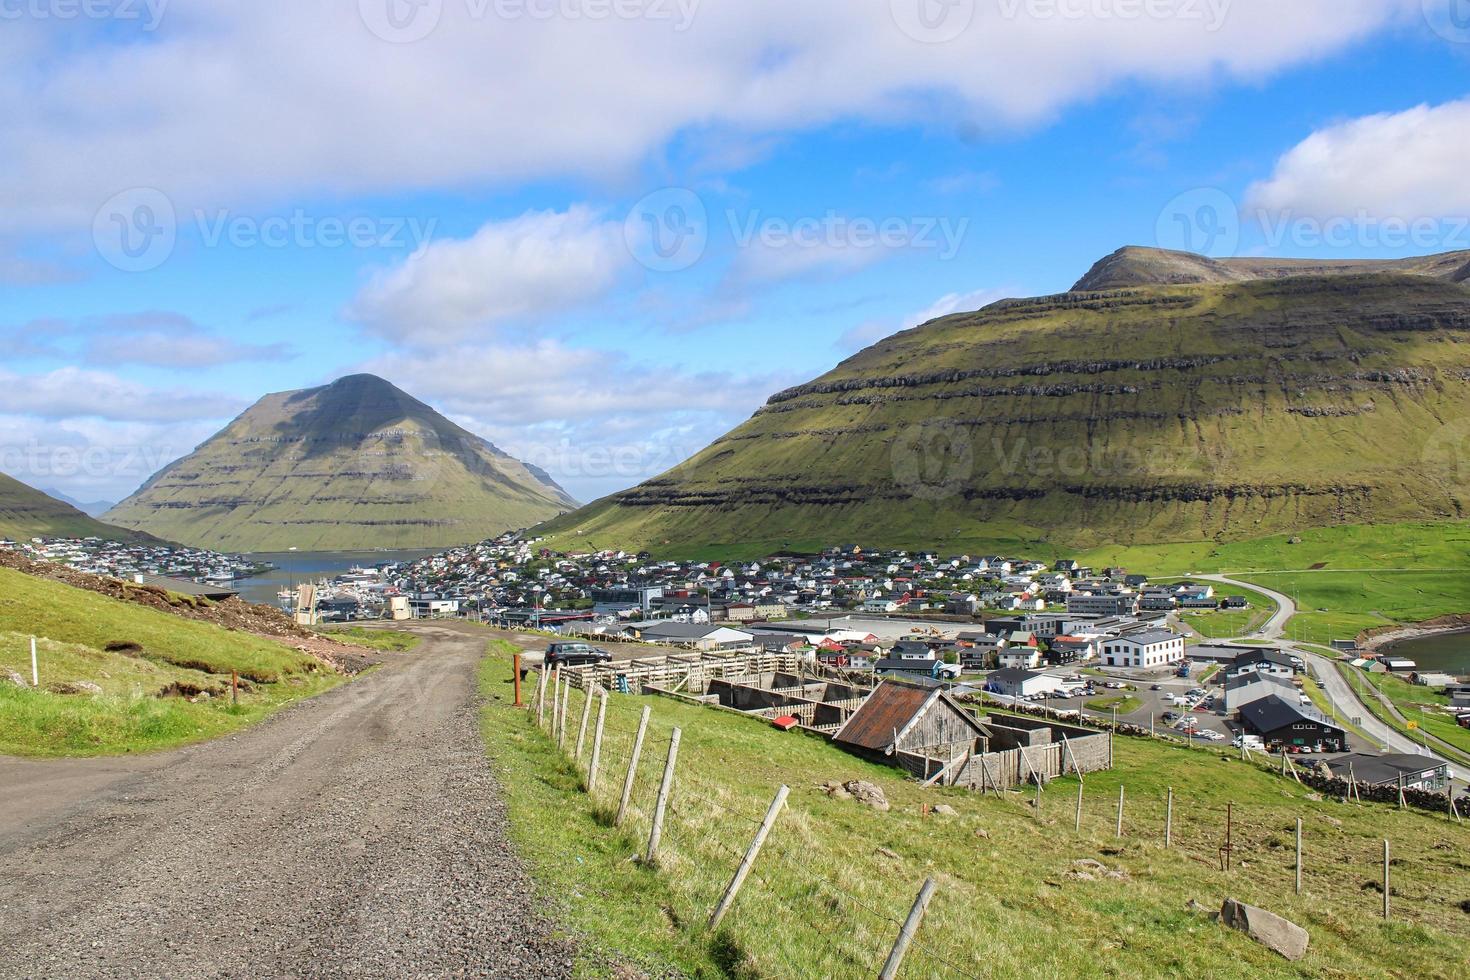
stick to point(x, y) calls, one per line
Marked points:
point(360, 834)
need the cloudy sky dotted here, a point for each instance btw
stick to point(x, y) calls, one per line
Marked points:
point(601, 232)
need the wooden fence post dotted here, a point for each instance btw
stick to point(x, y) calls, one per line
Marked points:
point(1120, 812)
point(909, 930)
point(597, 743)
point(1077, 828)
point(561, 727)
point(1169, 819)
point(1385, 878)
point(747, 862)
point(1298, 855)
point(657, 830)
point(632, 767)
point(555, 695)
point(582, 729)
point(541, 697)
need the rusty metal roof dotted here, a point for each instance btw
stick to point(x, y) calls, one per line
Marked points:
point(887, 710)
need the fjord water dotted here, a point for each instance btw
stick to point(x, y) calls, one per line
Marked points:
point(1449, 652)
point(294, 568)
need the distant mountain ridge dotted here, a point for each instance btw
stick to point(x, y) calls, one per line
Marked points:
point(355, 464)
point(26, 512)
point(95, 508)
point(1169, 397)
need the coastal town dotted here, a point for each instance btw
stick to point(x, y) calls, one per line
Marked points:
point(1104, 642)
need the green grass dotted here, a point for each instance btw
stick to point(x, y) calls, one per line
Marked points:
point(1340, 605)
point(1412, 700)
point(836, 878)
point(1125, 703)
point(394, 641)
point(60, 612)
point(75, 627)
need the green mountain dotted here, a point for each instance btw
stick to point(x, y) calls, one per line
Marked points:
point(1166, 397)
point(27, 513)
point(354, 464)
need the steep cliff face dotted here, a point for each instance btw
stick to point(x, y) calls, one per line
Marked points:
point(354, 464)
point(1262, 397)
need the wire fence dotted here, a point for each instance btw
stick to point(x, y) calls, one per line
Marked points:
point(706, 832)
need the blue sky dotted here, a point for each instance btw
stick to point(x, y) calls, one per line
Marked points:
point(824, 173)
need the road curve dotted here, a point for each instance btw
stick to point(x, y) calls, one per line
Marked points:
point(1339, 693)
point(359, 834)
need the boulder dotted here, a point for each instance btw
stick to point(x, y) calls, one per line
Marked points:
point(866, 793)
point(835, 791)
point(14, 678)
point(945, 810)
point(1267, 928)
point(74, 687)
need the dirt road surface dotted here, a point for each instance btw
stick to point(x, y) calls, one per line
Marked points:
point(360, 834)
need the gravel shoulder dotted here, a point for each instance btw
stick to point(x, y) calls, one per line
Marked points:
point(358, 834)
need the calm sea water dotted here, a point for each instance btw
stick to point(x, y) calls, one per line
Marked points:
point(1449, 652)
point(295, 567)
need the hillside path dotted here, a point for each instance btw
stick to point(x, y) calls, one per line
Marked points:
point(358, 834)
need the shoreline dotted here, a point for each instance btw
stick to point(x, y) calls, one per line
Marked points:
point(1381, 642)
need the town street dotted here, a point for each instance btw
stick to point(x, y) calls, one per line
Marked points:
point(361, 833)
point(1342, 697)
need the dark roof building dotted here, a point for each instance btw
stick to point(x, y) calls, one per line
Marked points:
point(1280, 723)
point(1421, 772)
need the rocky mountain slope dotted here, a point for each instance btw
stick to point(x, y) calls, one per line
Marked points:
point(354, 464)
point(1167, 397)
point(26, 512)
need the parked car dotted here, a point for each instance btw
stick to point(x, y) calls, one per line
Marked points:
point(571, 655)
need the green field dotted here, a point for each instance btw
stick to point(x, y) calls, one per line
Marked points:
point(393, 641)
point(1339, 605)
point(151, 651)
point(836, 878)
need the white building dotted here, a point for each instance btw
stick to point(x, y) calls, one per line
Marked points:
point(1148, 648)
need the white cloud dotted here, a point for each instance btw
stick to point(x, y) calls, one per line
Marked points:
point(541, 262)
point(872, 331)
point(93, 459)
point(1407, 165)
point(69, 393)
point(231, 103)
point(165, 339)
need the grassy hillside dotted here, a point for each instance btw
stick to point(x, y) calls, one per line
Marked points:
point(1216, 411)
point(354, 464)
point(836, 878)
point(133, 654)
point(26, 513)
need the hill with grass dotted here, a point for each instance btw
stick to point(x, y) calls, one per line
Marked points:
point(351, 465)
point(26, 512)
point(1166, 398)
point(119, 676)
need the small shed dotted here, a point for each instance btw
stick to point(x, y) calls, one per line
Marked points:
point(909, 719)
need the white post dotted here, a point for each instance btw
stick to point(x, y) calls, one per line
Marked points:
point(35, 669)
point(747, 862)
point(1169, 820)
point(633, 767)
point(582, 730)
point(1120, 812)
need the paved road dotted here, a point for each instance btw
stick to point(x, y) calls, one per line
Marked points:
point(359, 834)
point(1337, 690)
